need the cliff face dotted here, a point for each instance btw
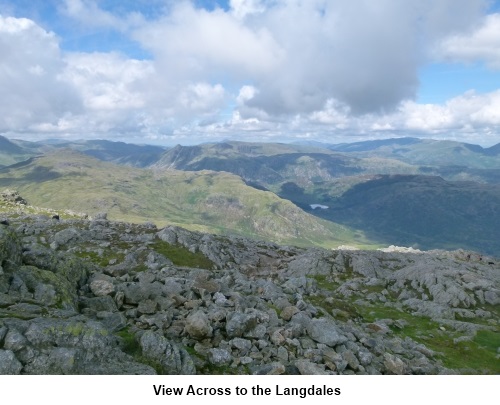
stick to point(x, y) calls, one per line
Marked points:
point(91, 296)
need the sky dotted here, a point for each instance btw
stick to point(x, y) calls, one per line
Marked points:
point(185, 72)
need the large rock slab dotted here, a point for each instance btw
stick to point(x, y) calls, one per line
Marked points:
point(9, 365)
point(325, 331)
point(198, 325)
point(170, 358)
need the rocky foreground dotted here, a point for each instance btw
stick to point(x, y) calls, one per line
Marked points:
point(92, 296)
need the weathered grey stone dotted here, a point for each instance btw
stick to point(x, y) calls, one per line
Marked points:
point(3, 332)
point(147, 307)
point(115, 322)
point(258, 332)
point(171, 358)
point(288, 312)
point(282, 354)
point(239, 323)
point(102, 285)
point(492, 297)
point(45, 293)
point(243, 345)
point(219, 357)
point(307, 367)
point(325, 331)
point(103, 303)
point(275, 368)
point(14, 340)
point(277, 337)
point(394, 364)
point(351, 359)
point(198, 325)
point(9, 365)
point(66, 236)
point(221, 300)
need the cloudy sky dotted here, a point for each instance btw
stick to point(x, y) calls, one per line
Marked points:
point(168, 72)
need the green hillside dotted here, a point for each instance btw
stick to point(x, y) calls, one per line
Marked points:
point(421, 211)
point(270, 165)
point(214, 202)
point(11, 152)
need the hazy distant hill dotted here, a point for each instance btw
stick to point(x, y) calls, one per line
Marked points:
point(117, 152)
point(11, 152)
point(426, 152)
point(272, 164)
point(210, 201)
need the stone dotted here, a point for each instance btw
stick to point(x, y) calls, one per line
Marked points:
point(351, 359)
point(9, 365)
point(219, 357)
point(282, 354)
point(288, 312)
point(277, 338)
point(307, 367)
point(102, 285)
point(66, 236)
point(172, 359)
point(242, 345)
point(198, 325)
point(115, 322)
point(325, 331)
point(147, 307)
point(46, 294)
point(275, 368)
point(239, 323)
point(14, 341)
point(394, 364)
point(103, 303)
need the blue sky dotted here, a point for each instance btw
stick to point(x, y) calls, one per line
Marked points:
point(164, 71)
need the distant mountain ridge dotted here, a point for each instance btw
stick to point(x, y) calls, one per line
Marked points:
point(426, 152)
point(11, 152)
point(403, 191)
point(117, 152)
point(457, 214)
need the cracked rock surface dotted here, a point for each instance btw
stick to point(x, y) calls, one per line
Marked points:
point(92, 296)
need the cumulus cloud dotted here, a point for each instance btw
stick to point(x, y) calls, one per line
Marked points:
point(482, 44)
point(88, 13)
point(241, 8)
point(301, 53)
point(109, 81)
point(196, 43)
point(274, 68)
point(30, 76)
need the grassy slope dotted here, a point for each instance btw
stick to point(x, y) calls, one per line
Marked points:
point(206, 201)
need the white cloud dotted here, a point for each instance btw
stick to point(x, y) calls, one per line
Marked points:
point(30, 76)
point(301, 53)
point(481, 44)
point(88, 13)
point(241, 8)
point(202, 97)
point(279, 68)
point(195, 43)
point(109, 81)
point(334, 114)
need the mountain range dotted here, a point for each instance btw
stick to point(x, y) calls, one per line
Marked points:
point(422, 193)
